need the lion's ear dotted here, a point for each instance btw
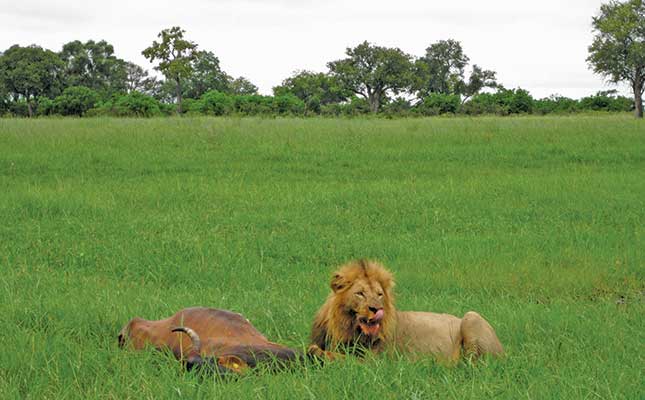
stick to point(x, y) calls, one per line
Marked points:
point(387, 280)
point(338, 282)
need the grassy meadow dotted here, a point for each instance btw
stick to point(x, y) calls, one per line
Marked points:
point(538, 223)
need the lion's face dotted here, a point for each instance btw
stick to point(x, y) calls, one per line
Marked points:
point(363, 301)
point(362, 295)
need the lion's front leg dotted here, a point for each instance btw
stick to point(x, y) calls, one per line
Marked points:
point(479, 336)
point(314, 351)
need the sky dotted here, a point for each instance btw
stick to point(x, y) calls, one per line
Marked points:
point(540, 46)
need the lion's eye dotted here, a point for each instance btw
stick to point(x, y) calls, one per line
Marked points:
point(360, 294)
point(380, 295)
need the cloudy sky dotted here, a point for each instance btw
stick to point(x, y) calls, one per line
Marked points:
point(538, 45)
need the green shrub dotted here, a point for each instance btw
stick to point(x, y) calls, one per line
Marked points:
point(398, 107)
point(288, 104)
point(44, 106)
point(520, 101)
point(439, 103)
point(191, 106)
point(134, 104)
point(356, 106)
point(484, 103)
point(215, 103)
point(4, 106)
point(253, 104)
point(313, 105)
point(331, 110)
point(607, 101)
point(75, 100)
point(555, 104)
point(503, 102)
point(18, 109)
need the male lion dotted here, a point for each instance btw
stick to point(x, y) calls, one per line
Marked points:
point(360, 313)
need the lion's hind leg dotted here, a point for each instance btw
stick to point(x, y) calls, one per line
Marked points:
point(479, 337)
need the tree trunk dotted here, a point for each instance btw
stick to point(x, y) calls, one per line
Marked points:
point(179, 111)
point(638, 98)
point(29, 108)
point(375, 102)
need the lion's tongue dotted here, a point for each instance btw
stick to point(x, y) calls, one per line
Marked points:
point(378, 315)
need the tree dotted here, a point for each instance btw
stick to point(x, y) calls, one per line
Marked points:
point(93, 65)
point(315, 89)
point(242, 87)
point(442, 70)
point(479, 79)
point(175, 56)
point(29, 72)
point(618, 49)
point(139, 80)
point(206, 76)
point(373, 72)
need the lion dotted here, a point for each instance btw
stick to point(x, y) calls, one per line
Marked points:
point(360, 314)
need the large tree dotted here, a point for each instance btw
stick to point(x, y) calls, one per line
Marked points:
point(29, 72)
point(442, 70)
point(93, 65)
point(175, 56)
point(618, 48)
point(314, 88)
point(207, 75)
point(374, 72)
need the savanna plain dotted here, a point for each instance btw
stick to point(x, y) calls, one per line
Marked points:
point(537, 223)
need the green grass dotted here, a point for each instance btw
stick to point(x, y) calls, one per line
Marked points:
point(536, 223)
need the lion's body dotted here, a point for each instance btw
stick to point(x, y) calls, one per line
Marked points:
point(347, 319)
point(428, 333)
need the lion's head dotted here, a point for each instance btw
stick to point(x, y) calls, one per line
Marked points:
point(359, 310)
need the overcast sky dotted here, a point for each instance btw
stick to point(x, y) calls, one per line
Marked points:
point(538, 45)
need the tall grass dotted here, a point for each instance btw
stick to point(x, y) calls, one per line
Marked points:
point(536, 223)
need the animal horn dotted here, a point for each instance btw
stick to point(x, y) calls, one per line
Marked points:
point(194, 337)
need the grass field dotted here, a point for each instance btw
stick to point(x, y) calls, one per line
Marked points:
point(536, 223)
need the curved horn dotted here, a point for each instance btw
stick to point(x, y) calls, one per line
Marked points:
point(194, 337)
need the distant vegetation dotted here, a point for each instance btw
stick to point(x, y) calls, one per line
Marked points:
point(88, 79)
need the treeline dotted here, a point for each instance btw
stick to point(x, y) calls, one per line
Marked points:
point(87, 79)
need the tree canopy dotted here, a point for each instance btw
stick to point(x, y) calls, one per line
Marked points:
point(242, 86)
point(94, 65)
point(206, 76)
point(374, 72)
point(442, 70)
point(29, 72)
point(314, 88)
point(618, 48)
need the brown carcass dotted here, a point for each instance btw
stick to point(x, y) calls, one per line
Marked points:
point(210, 339)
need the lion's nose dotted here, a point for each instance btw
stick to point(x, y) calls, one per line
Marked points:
point(378, 313)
